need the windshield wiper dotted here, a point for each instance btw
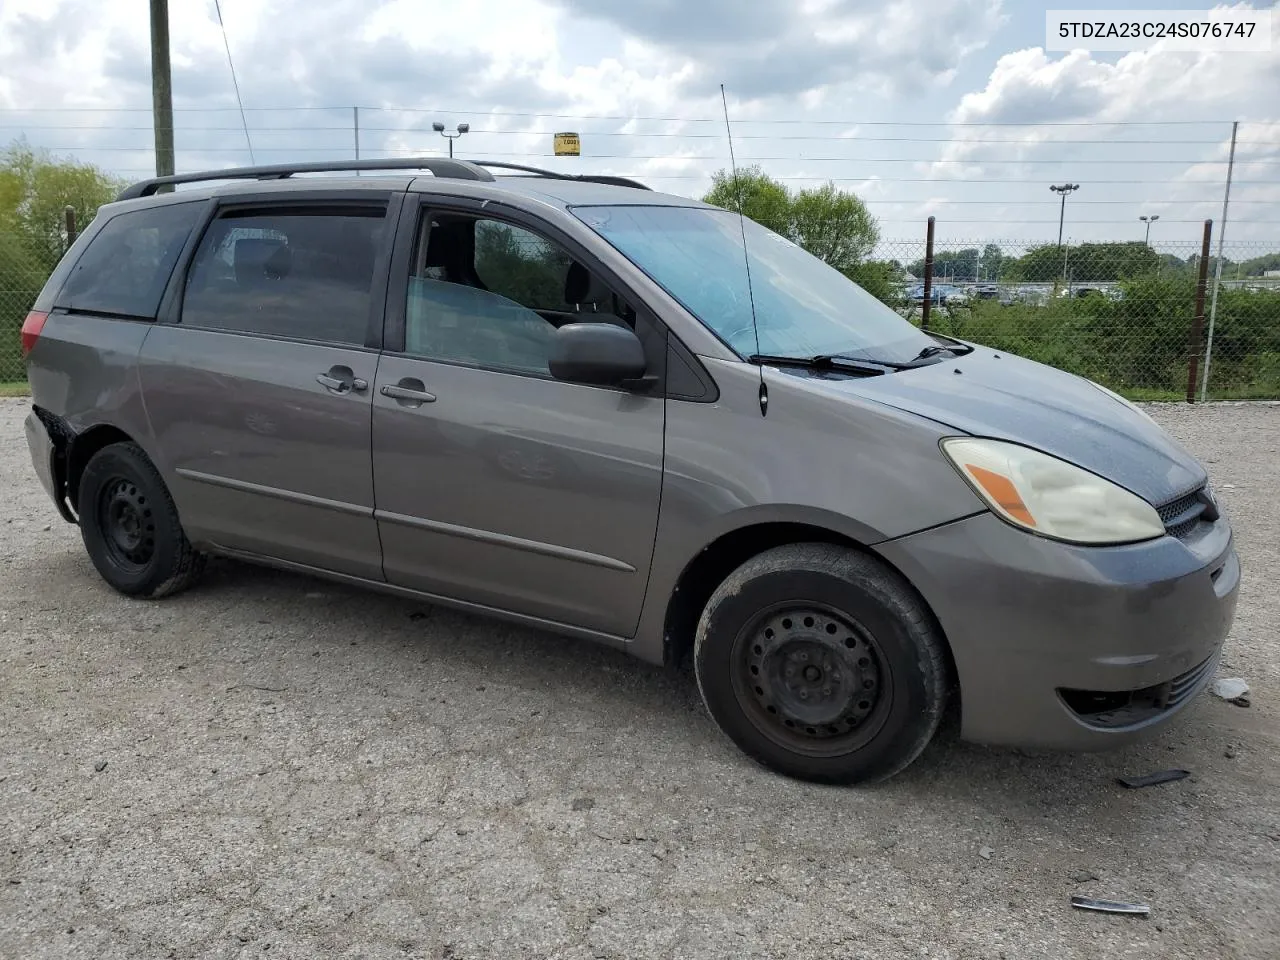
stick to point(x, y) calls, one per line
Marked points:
point(933, 350)
point(827, 361)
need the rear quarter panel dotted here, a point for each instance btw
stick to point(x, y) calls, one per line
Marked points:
point(84, 370)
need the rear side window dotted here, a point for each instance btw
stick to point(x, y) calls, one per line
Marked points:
point(127, 265)
point(293, 273)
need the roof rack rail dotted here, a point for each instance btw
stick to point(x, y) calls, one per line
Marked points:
point(584, 177)
point(440, 166)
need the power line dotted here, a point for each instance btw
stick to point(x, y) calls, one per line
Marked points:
point(828, 139)
point(624, 117)
point(411, 151)
point(234, 82)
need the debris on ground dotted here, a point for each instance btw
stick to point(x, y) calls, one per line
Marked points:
point(1152, 779)
point(100, 766)
point(985, 853)
point(1109, 906)
point(583, 803)
point(1084, 876)
point(1233, 690)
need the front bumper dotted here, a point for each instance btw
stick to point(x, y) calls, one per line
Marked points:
point(1074, 648)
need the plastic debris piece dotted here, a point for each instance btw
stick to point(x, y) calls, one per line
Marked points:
point(1230, 689)
point(1151, 779)
point(1109, 906)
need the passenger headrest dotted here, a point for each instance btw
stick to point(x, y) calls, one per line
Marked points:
point(583, 289)
point(257, 260)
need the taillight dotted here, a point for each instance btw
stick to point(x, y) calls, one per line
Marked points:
point(31, 328)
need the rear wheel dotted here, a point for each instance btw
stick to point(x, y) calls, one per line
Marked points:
point(130, 525)
point(821, 663)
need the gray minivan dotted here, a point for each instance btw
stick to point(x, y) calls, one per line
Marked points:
point(591, 408)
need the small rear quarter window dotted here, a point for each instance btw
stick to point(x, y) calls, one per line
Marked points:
point(127, 265)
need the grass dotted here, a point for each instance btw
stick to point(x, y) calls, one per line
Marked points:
point(1151, 395)
point(17, 389)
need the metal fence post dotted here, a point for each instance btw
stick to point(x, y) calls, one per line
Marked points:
point(928, 277)
point(1197, 324)
point(1217, 272)
point(70, 213)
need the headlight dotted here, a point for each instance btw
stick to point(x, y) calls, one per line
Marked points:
point(1050, 497)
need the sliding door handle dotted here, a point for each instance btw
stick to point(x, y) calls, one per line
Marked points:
point(415, 393)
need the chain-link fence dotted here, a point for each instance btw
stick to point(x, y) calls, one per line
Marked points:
point(1122, 314)
point(14, 304)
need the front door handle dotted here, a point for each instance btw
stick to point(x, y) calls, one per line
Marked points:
point(408, 392)
point(342, 380)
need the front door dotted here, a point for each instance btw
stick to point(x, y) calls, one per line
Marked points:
point(497, 484)
point(260, 394)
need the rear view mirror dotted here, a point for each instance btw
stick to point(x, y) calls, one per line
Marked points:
point(601, 354)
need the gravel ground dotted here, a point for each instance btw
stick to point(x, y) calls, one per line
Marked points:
point(273, 766)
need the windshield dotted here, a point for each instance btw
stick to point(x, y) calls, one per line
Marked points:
point(803, 306)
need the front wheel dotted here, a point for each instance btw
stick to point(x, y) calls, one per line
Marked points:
point(130, 525)
point(823, 664)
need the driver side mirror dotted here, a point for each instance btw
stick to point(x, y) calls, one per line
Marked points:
point(599, 354)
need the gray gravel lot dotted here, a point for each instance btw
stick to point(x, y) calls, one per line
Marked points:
point(294, 769)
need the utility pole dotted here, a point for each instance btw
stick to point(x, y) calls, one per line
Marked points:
point(462, 128)
point(1149, 221)
point(161, 88)
point(1064, 189)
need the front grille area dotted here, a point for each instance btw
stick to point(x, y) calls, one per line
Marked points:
point(1181, 516)
point(1111, 710)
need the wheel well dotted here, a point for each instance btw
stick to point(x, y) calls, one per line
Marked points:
point(717, 560)
point(83, 447)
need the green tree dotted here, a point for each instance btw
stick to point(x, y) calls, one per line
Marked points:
point(754, 193)
point(1086, 263)
point(880, 278)
point(1257, 266)
point(992, 266)
point(834, 226)
point(35, 188)
point(951, 264)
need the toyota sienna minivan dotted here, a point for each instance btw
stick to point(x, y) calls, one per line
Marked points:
point(567, 401)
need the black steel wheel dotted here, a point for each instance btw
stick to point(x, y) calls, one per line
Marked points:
point(811, 679)
point(126, 524)
point(822, 663)
point(130, 525)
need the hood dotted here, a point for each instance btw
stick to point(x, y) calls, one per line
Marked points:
point(989, 394)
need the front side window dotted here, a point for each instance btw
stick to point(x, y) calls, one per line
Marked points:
point(127, 266)
point(803, 307)
point(297, 273)
point(490, 294)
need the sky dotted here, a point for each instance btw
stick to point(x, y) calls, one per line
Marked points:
point(950, 108)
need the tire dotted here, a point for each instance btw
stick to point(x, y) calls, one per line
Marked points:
point(130, 525)
point(822, 664)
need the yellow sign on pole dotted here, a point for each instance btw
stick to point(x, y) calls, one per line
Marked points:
point(568, 145)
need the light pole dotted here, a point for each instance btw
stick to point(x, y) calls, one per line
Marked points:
point(1063, 189)
point(1149, 221)
point(439, 128)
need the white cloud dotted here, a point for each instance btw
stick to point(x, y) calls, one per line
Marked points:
point(837, 70)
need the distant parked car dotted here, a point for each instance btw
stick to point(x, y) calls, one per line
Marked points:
point(940, 294)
